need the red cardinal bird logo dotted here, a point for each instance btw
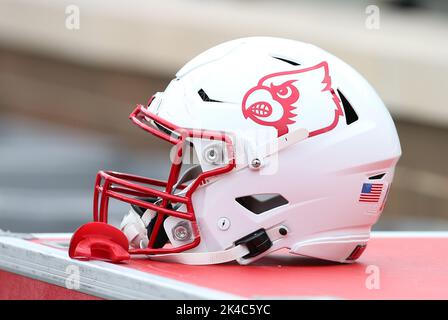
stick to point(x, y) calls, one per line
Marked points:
point(304, 96)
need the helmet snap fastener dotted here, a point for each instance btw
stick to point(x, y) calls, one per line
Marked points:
point(213, 154)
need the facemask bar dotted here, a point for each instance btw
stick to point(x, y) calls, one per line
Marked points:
point(129, 188)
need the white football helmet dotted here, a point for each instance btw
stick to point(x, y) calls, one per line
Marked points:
point(277, 144)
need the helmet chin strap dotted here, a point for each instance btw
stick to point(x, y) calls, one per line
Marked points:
point(133, 226)
point(205, 258)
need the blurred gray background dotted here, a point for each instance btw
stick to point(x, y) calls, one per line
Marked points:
point(65, 94)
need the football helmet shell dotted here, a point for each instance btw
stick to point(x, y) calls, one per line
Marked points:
point(287, 147)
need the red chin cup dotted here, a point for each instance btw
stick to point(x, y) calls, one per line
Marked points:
point(130, 188)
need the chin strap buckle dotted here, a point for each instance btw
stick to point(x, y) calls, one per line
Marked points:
point(256, 242)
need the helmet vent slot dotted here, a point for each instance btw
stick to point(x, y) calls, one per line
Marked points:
point(259, 203)
point(205, 97)
point(350, 113)
point(377, 176)
point(287, 61)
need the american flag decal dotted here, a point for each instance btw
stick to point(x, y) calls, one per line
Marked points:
point(371, 192)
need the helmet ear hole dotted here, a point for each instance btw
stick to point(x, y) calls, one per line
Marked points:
point(260, 203)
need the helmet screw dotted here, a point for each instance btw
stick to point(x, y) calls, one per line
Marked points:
point(223, 224)
point(256, 163)
point(181, 231)
point(213, 154)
